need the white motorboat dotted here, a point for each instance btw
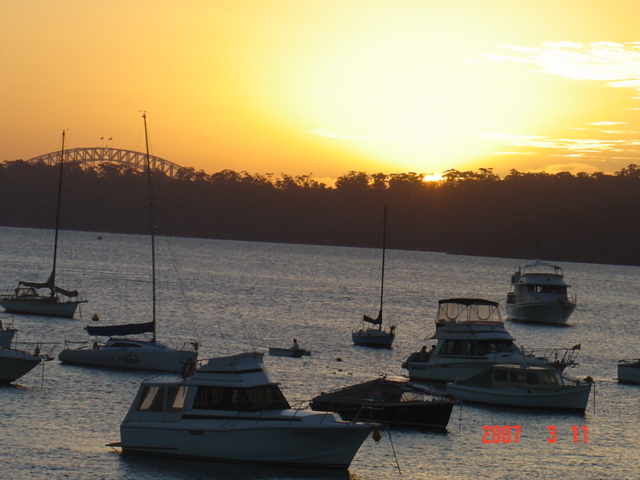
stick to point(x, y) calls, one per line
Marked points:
point(523, 386)
point(130, 353)
point(539, 295)
point(230, 409)
point(629, 371)
point(369, 336)
point(471, 337)
point(47, 299)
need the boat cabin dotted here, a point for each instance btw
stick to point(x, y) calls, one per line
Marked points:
point(454, 347)
point(509, 376)
point(174, 399)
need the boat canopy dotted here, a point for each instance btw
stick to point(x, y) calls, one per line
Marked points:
point(468, 310)
point(116, 330)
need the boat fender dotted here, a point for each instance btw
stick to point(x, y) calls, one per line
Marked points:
point(376, 435)
point(188, 369)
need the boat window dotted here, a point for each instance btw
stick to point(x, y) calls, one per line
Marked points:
point(152, 399)
point(486, 347)
point(125, 345)
point(501, 375)
point(548, 378)
point(460, 347)
point(268, 397)
point(448, 348)
point(532, 378)
point(517, 376)
point(214, 398)
point(265, 398)
point(175, 398)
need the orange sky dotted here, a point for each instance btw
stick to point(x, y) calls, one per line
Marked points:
point(325, 87)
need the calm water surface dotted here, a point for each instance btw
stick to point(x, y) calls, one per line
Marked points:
point(238, 296)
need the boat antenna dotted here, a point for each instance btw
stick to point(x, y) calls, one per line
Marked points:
point(52, 278)
point(151, 226)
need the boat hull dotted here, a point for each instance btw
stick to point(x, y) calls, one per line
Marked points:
point(43, 307)
point(287, 352)
point(15, 364)
point(629, 373)
point(561, 398)
point(442, 371)
point(372, 338)
point(434, 414)
point(164, 360)
point(550, 313)
point(248, 442)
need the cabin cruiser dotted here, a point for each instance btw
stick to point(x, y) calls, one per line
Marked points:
point(230, 409)
point(539, 295)
point(629, 371)
point(471, 337)
point(524, 386)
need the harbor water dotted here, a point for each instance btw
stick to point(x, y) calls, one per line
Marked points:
point(232, 297)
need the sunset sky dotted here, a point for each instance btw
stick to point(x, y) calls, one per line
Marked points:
point(325, 87)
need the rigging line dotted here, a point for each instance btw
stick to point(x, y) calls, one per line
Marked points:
point(244, 326)
point(172, 258)
point(393, 448)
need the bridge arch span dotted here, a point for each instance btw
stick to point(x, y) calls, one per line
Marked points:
point(95, 156)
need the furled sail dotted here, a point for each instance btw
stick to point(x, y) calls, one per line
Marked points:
point(375, 321)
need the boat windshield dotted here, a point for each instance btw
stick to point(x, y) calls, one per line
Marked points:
point(526, 377)
point(162, 399)
point(253, 399)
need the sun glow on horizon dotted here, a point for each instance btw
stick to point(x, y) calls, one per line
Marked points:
point(329, 87)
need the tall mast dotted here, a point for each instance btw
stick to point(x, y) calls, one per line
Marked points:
point(384, 248)
point(52, 278)
point(152, 226)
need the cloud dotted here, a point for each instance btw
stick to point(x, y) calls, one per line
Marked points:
point(616, 63)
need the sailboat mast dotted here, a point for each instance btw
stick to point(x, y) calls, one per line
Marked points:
point(52, 278)
point(384, 249)
point(152, 227)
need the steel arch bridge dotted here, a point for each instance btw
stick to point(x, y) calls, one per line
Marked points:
point(95, 156)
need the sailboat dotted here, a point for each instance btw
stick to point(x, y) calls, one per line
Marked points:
point(31, 298)
point(120, 351)
point(372, 336)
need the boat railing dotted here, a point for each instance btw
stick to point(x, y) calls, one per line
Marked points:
point(555, 356)
point(79, 345)
point(44, 350)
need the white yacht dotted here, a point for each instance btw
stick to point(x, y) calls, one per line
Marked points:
point(524, 386)
point(230, 409)
point(471, 337)
point(539, 295)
